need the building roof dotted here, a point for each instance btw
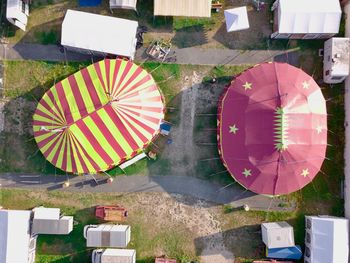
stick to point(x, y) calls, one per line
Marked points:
point(311, 16)
point(277, 234)
point(127, 4)
point(118, 256)
point(15, 235)
point(330, 239)
point(46, 213)
point(190, 8)
point(99, 33)
point(272, 133)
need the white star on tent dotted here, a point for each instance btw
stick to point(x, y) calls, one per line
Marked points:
point(319, 129)
point(233, 129)
point(305, 172)
point(247, 172)
point(306, 85)
point(247, 85)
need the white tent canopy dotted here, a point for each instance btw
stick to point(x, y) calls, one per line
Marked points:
point(236, 19)
point(102, 34)
point(125, 4)
point(309, 17)
point(15, 236)
point(277, 234)
point(189, 8)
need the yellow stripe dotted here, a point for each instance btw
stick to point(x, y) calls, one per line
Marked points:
point(58, 103)
point(111, 73)
point(54, 150)
point(72, 104)
point(53, 106)
point(98, 85)
point(61, 152)
point(116, 87)
point(89, 105)
point(102, 65)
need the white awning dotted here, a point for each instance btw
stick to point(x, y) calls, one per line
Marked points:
point(99, 33)
point(309, 17)
point(190, 8)
point(277, 234)
point(236, 19)
point(15, 14)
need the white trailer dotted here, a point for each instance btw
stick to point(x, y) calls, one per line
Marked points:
point(336, 60)
point(114, 256)
point(17, 12)
point(96, 34)
point(107, 235)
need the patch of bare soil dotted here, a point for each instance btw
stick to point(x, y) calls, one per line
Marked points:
point(197, 216)
point(182, 152)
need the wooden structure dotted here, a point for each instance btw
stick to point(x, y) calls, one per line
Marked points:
point(111, 213)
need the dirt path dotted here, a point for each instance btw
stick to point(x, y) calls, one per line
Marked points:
point(183, 149)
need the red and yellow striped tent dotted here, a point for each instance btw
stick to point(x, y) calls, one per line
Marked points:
point(99, 117)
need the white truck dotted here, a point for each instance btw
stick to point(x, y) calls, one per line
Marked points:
point(107, 235)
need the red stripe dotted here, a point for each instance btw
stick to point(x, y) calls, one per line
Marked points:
point(65, 153)
point(108, 135)
point(55, 157)
point(115, 73)
point(53, 100)
point(77, 96)
point(125, 72)
point(99, 74)
point(132, 78)
point(115, 118)
point(139, 83)
point(95, 144)
point(42, 123)
point(145, 108)
point(91, 88)
point(145, 117)
point(94, 165)
point(64, 103)
point(49, 150)
point(74, 166)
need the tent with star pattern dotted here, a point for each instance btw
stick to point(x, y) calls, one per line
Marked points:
point(98, 117)
point(272, 129)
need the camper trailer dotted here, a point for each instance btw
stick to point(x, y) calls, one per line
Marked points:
point(114, 256)
point(107, 235)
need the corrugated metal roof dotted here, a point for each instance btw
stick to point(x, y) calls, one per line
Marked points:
point(191, 8)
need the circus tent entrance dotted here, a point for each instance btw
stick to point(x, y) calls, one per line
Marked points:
point(99, 117)
point(273, 129)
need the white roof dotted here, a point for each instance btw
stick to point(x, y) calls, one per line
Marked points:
point(330, 239)
point(190, 8)
point(118, 256)
point(127, 4)
point(46, 213)
point(14, 11)
point(277, 234)
point(15, 235)
point(236, 19)
point(99, 33)
point(311, 16)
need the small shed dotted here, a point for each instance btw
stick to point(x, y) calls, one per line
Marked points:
point(277, 234)
point(49, 221)
point(16, 242)
point(236, 19)
point(326, 239)
point(97, 34)
point(111, 255)
point(189, 8)
point(107, 235)
point(311, 19)
point(336, 57)
point(17, 12)
point(124, 4)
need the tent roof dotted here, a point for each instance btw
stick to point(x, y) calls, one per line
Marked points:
point(190, 8)
point(15, 235)
point(273, 129)
point(330, 239)
point(99, 33)
point(236, 19)
point(312, 16)
point(277, 234)
point(99, 117)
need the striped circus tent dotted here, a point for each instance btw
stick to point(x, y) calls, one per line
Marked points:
point(98, 117)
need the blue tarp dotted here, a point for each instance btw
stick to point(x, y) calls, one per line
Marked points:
point(89, 2)
point(285, 253)
point(165, 126)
